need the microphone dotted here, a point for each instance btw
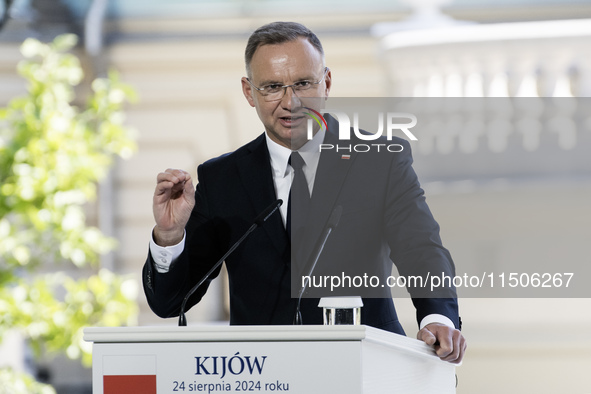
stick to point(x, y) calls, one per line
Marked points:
point(333, 222)
point(258, 221)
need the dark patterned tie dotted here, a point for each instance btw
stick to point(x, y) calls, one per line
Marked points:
point(299, 198)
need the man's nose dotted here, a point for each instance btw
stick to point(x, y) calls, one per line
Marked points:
point(290, 98)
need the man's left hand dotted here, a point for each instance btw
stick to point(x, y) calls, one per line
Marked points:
point(449, 343)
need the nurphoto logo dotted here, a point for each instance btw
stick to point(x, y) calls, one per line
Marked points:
point(391, 123)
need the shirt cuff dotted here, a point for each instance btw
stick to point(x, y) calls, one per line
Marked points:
point(165, 256)
point(436, 318)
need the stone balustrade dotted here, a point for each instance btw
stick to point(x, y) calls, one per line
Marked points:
point(529, 59)
point(513, 98)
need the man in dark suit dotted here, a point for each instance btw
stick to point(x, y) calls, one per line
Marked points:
point(195, 227)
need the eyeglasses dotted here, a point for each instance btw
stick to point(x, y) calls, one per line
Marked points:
point(276, 91)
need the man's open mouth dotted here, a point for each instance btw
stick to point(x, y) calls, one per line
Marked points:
point(291, 119)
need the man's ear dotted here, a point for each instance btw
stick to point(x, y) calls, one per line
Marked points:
point(328, 83)
point(248, 92)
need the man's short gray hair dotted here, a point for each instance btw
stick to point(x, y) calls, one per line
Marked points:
point(279, 33)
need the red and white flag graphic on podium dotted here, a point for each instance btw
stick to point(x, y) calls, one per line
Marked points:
point(133, 374)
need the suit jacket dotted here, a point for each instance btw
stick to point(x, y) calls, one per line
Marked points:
point(385, 219)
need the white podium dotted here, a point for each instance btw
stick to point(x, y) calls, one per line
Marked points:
point(264, 359)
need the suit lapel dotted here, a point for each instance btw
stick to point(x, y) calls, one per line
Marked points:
point(257, 179)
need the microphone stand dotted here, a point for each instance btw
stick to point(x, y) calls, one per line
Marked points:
point(333, 221)
point(262, 218)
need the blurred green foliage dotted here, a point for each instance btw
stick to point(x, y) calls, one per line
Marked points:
point(15, 383)
point(52, 154)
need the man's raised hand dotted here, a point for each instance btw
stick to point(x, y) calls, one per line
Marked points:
point(174, 199)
